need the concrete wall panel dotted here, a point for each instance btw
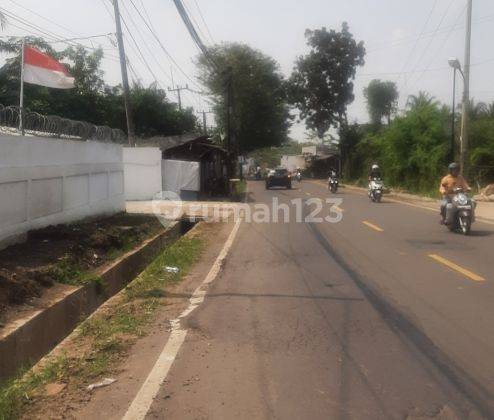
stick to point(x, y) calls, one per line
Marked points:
point(47, 181)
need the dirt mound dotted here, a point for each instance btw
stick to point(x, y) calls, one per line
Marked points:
point(67, 254)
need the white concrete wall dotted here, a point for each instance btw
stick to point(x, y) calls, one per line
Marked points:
point(142, 172)
point(47, 181)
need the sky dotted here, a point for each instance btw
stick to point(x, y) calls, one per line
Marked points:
point(408, 42)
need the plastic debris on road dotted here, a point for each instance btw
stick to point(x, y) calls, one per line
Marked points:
point(172, 269)
point(104, 382)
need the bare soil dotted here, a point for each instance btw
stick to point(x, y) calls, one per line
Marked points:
point(66, 254)
point(70, 399)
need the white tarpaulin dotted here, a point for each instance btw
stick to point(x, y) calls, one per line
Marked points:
point(180, 175)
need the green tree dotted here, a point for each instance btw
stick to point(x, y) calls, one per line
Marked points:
point(423, 99)
point(261, 113)
point(91, 100)
point(382, 100)
point(321, 85)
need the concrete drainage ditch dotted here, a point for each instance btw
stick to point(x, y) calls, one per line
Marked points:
point(26, 341)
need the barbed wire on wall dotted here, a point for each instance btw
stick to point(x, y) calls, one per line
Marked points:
point(54, 126)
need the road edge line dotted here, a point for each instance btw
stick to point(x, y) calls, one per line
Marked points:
point(144, 398)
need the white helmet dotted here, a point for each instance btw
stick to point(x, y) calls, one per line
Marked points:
point(375, 166)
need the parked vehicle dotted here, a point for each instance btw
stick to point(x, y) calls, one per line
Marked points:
point(460, 212)
point(376, 189)
point(333, 184)
point(279, 177)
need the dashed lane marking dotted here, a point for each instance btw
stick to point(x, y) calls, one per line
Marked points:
point(373, 226)
point(467, 273)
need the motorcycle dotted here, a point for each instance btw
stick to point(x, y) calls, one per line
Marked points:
point(333, 184)
point(460, 212)
point(298, 177)
point(376, 189)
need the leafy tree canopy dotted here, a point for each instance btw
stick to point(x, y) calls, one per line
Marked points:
point(321, 85)
point(92, 100)
point(261, 115)
point(382, 100)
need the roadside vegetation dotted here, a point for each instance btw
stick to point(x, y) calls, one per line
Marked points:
point(92, 100)
point(414, 147)
point(102, 340)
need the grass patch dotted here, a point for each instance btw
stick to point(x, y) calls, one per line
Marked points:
point(68, 271)
point(109, 332)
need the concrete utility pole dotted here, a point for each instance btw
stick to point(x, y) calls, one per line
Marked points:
point(178, 89)
point(466, 92)
point(125, 77)
point(204, 121)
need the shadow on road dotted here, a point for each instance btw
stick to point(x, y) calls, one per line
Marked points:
point(481, 233)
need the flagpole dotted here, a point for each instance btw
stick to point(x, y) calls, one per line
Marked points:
point(21, 99)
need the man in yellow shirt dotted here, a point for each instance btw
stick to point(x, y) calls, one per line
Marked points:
point(448, 185)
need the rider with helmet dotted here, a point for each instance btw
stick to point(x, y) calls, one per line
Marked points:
point(375, 172)
point(448, 185)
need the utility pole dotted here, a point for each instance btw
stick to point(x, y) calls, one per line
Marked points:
point(466, 92)
point(125, 78)
point(231, 145)
point(178, 89)
point(21, 99)
point(204, 121)
point(452, 146)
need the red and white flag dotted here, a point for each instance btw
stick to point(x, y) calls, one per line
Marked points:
point(41, 69)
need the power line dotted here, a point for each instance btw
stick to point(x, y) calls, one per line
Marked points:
point(44, 32)
point(192, 17)
point(421, 33)
point(204, 22)
point(435, 34)
point(425, 35)
point(49, 20)
point(434, 56)
point(161, 44)
point(139, 52)
point(153, 55)
point(193, 33)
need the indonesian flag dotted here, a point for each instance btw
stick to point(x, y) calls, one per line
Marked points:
point(41, 69)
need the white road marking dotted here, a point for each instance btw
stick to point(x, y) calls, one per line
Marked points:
point(150, 388)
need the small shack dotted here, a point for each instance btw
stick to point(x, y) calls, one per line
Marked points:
point(193, 166)
point(321, 158)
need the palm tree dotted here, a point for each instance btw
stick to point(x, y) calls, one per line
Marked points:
point(490, 110)
point(477, 110)
point(423, 99)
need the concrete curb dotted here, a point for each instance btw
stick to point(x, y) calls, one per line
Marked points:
point(38, 334)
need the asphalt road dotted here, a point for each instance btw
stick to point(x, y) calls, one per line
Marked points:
point(348, 320)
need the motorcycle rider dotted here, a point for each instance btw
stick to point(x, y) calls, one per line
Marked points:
point(332, 173)
point(374, 173)
point(448, 185)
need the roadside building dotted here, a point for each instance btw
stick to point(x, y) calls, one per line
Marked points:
point(293, 162)
point(320, 158)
